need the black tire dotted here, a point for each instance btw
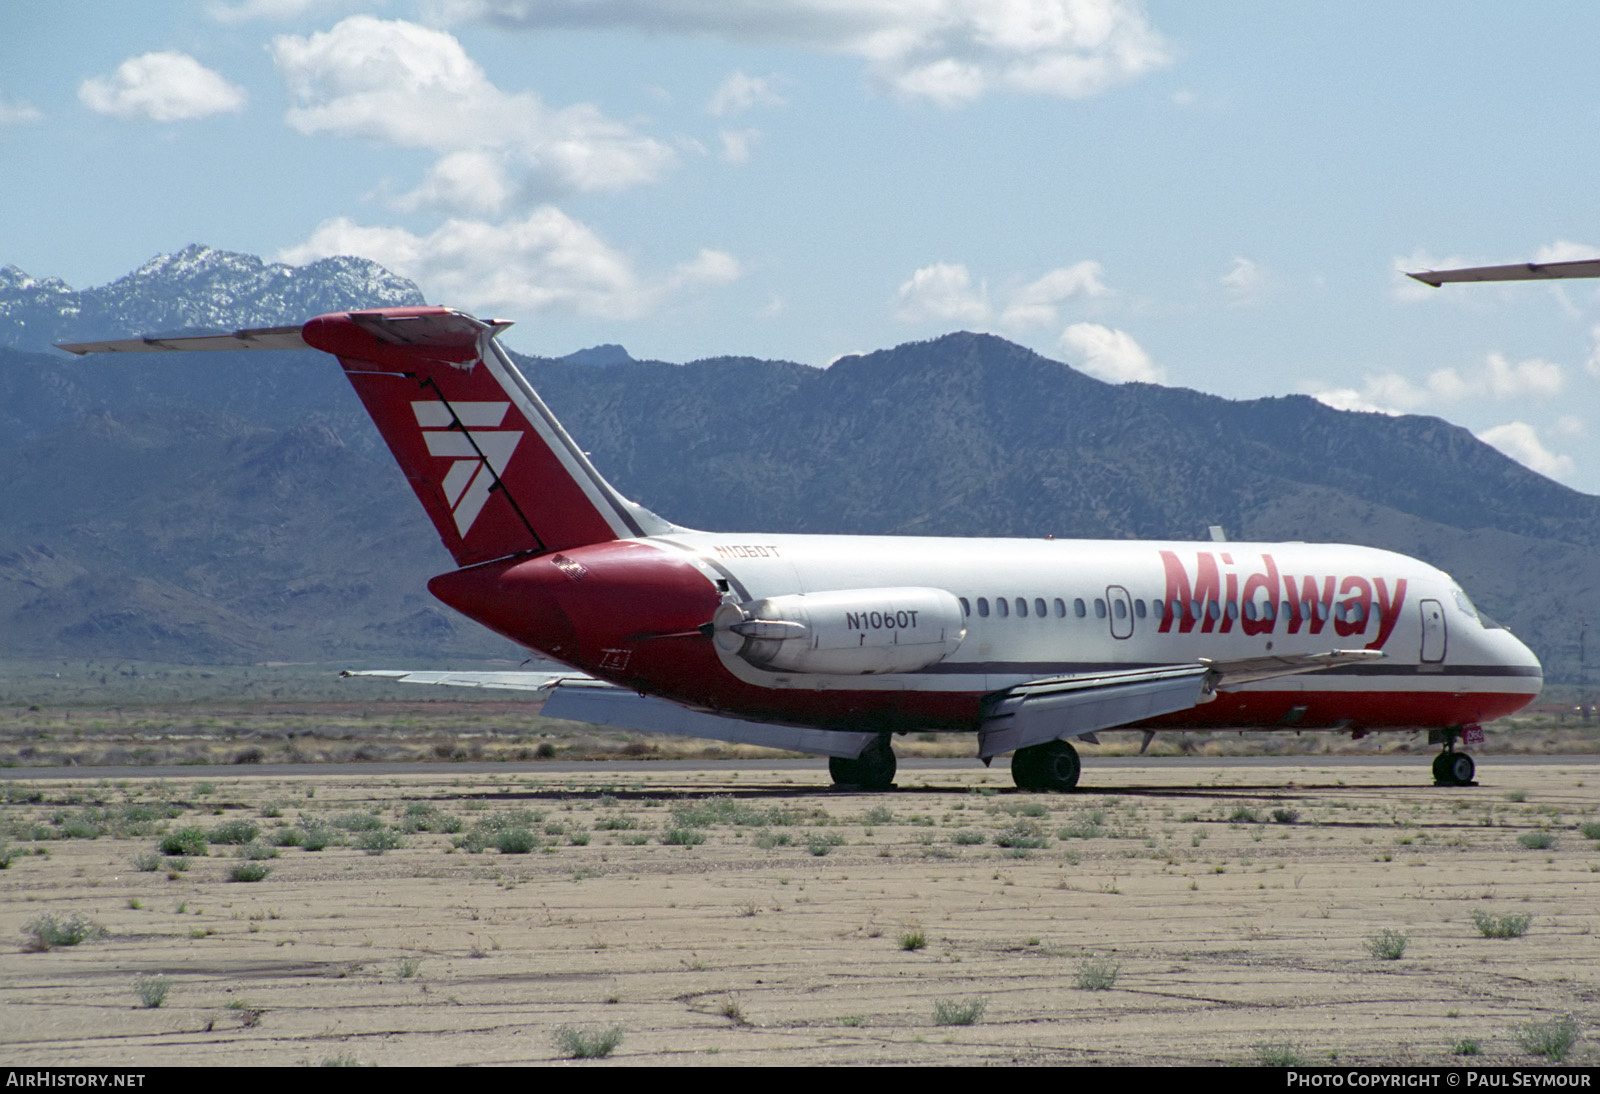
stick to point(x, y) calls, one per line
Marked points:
point(1462, 769)
point(872, 770)
point(1025, 769)
point(1441, 769)
point(1053, 765)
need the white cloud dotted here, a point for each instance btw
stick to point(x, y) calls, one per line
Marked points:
point(164, 87)
point(544, 261)
point(1392, 393)
point(740, 92)
point(736, 144)
point(17, 112)
point(1244, 281)
point(942, 293)
point(1592, 365)
point(247, 10)
point(1570, 425)
point(1563, 250)
point(1520, 441)
point(1111, 355)
point(472, 181)
point(948, 51)
point(1348, 398)
point(406, 85)
point(1034, 305)
point(1531, 377)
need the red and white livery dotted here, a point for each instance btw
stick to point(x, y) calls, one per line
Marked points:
point(830, 644)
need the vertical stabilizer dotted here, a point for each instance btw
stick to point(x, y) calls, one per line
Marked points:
point(496, 472)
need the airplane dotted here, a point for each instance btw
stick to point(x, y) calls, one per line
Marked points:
point(830, 644)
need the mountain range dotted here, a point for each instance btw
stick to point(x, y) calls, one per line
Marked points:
point(224, 508)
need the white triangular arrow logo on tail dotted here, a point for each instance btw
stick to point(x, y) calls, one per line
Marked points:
point(466, 485)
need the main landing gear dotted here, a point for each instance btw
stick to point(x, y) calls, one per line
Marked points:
point(1053, 765)
point(1452, 768)
point(872, 770)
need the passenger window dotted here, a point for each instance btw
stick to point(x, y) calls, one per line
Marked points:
point(1078, 609)
point(1022, 607)
point(1266, 611)
point(1194, 610)
point(1250, 610)
point(1158, 608)
point(1038, 607)
point(1214, 610)
point(1099, 608)
point(1061, 608)
point(966, 609)
point(1138, 608)
point(983, 607)
point(1233, 609)
point(1322, 610)
point(1353, 612)
point(1177, 609)
point(1121, 607)
point(1003, 606)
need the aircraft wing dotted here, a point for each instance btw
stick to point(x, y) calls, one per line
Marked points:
point(1230, 674)
point(576, 697)
point(1078, 705)
point(1519, 271)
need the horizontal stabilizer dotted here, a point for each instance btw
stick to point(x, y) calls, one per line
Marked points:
point(513, 681)
point(1520, 271)
point(259, 338)
point(575, 697)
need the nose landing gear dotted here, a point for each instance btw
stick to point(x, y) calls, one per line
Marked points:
point(1452, 768)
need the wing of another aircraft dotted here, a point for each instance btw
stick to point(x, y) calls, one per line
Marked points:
point(1520, 271)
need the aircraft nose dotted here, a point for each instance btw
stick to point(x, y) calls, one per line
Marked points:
point(1513, 654)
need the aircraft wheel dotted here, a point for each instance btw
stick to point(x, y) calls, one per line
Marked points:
point(1441, 769)
point(1025, 769)
point(872, 770)
point(1462, 769)
point(1453, 769)
point(1053, 765)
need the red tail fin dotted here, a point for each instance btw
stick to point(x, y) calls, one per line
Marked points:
point(489, 462)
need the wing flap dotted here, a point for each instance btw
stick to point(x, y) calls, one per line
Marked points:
point(1074, 706)
point(1227, 675)
point(1061, 707)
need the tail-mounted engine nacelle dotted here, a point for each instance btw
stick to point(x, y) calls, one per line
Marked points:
point(848, 631)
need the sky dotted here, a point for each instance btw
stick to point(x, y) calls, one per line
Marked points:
point(1214, 196)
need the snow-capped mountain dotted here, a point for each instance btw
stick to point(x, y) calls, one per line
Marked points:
point(199, 287)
